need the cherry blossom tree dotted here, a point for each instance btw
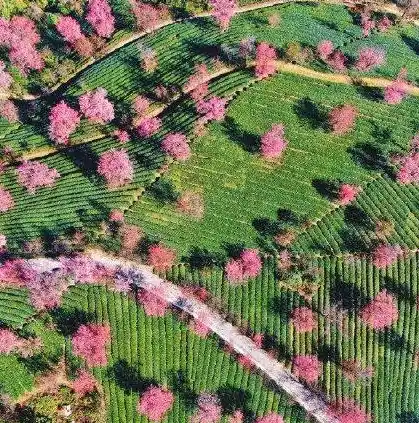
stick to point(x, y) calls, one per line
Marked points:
point(176, 145)
point(83, 47)
point(303, 319)
point(347, 193)
point(234, 271)
point(354, 370)
point(270, 418)
point(84, 383)
point(209, 409)
point(342, 119)
point(212, 109)
point(149, 60)
point(6, 200)
point(89, 342)
point(397, 90)
point(147, 15)
point(9, 111)
point(116, 167)
point(324, 49)
point(131, 236)
point(5, 77)
point(153, 303)
point(200, 76)
point(347, 411)
point(69, 29)
point(199, 92)
point(409, 169)
point(155, 402)
point(236, 417)
point(247, 265)
point(96, 107)
point(273, 142)
point(33, 175)
point(148, 126)
point(384, 24)
point(306, 367)
point(121, 135)
point(192, 204)
point(369, 58)
point(367, 23)
point(140, 105)
point(9, 341)
point(381, 312)
point(99, 15)
point(63, 121)
point(265, 60)
point(160, 257)
point(16, 272)
point(199, 328)
point(116, 216)
point(223, 11)
point(385, 255)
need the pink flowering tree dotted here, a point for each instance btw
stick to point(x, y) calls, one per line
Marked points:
point(160, 257)
point(147, 15)
point(116, 168)
point(16, 272)
point(84, 383)
point(247, 265)
point(347, 193)
point(385, 255)
point(342, 119)
point(384, 24)
point(324, 49)
point(89, 342)
point(303, 319)
point(367, 23)
point(9, 341)
point(381, 312)
point(223, 11)
point(34, 175)
point(265, 60)
point(99, 15)
point(409, 169)
point(5, 77)
point(155, 402)
point(63, 121)
point(6, 200)
point(69, 29)
point(199, 325)
point(212, 109)
point(398, 89)
point(153, 302)
point(347, 411)
point(200, 76)
point(140, 105)
point(148, 126)
point(121, 135)
point(334, 58)
point(176, 145)
point(96, 107)
point(306, 367)
point(209, 409)
point(9, 111)
point(270, 418)
point(131, 236)
point(273, 142)
point(236, 417)
point(369, 58)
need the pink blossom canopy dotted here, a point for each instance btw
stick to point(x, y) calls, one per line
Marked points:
point(273, 142)
point(176, 145)
point(33, 175)
point(381, 312)
point(116, 167)
point(100, 16)
point(155, 402)
point(96, 107)
point(63, 121)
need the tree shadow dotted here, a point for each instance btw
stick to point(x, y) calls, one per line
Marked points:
point(347, 295)
point(201, 258)
point(201, 48)
point(84, 158)
point(402, 291)
point(127, 377)
point(326, 188)
point(408, 417)
point(232, 398)
point(164, 191)
point(369, 93)
point(266, 227)
point(311, 113)
point(389, 337)
point(353, 242)
point(180, 386)
point(246, 140)
point(283, 305)
point(354, 215)
point(271, 343)
point(411, 42)
point(233, 250)
point(370, 157)
point(288, 216)
point(69, 320)
point(327, 352)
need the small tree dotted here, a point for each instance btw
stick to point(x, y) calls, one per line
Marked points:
point(209, 409)
point(303, 319)
point(155, 402)
point(212, 109)
point(265, 60)
point(270, 418)
point(200, 76)
point(5, 77)
point(223, 11)
point(397, 90)
point(63, 121)
point(160, 257)
point(84, 47)
point(6, 200)
point(369, 58)
point(69, 29)
point(148, 126)
point(89, 342)
point(247, 265)
point(306, 367)
point(324, 49)
point(147, 15)
point(354, 370)
point(9, 111)
point(116, 167)
point(367, 23)
point(9, 342)
point(140, 105)
point(153, 303)
point(381, 312)
point(347, 411)
point(34, 175)
point(176, 145)
point(131, 236)
point(384, 24)
point(347, 193)
point(96, 107)
point(199, 328)
point(273, 142)
point(385, 255)
point(342, 119)
point(409, 169)
point(84, 383)
point(99, 15)
point(149, 60)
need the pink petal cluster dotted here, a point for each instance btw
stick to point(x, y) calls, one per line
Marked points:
point(248, 265)
point(9, 342)
point(347, 193)
point(131, 236)
point(84, 383)
point(367, 23)
point(89, 342)
point(69, 29)
point(176, 145)
point(153, 303)
point(99, 15)
point(148, 126)
point(96, 107)
point(83, 269)
point(331, 56)
point(384, 24)
point(273, 142)
point(212, 109)
point(9, 111)
point(147, 15)
point(324, 49)
point(347, 411)
point(5, 77)
point(265, 60)
point(306, 367)
point(342, 119)
point(6, 200)
point(209, 409)
point(385, 255)
point(16, 272)
point(160, 257)
point(200, 76)
point(270, 418)
point(33, 175)
point(303, 319)
point(116, 167)
point(63, 121)
point(223, 11)
point(236, 417)
point(155, 402)
point(369, 58)
point(398, 89)
point(381, 312)
point(409, 169)
point(116, 216)
point(140, 105)
point(122, 135)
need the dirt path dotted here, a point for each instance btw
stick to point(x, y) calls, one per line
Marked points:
point(312, 402)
